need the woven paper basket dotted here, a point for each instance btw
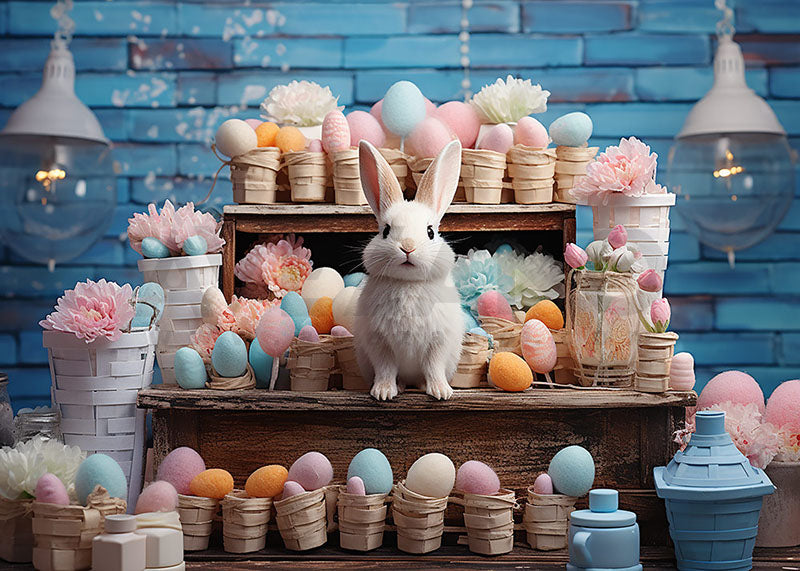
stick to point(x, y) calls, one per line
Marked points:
point(308, 175)
point(302, 520)
point(362, 520)
point(490, 522)
point(506, 334)
point(16, 533)
point(654, 358)
point(244, 522)
point(197, 515)
point(347, 178)
point(417, 166)
point(571, 163)
point(398, 162)
point(564, 371)
point(546, 520)
point(419, 520)
point(352, 380)
point(482, 173)
point(531, 171)
point(254, 175)
point(474, 363)
point(310, 364)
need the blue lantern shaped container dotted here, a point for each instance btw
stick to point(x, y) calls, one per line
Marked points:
point(713, 497)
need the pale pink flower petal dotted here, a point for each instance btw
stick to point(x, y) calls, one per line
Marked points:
point(285, 274)
point(172, 227)
point(204, 338)
point(629, 169)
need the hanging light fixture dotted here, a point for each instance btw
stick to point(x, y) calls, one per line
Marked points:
point(731, 166)
point(58, 185)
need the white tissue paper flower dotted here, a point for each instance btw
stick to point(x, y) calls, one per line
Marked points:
point(510, 100)
point(300, 103)
point(536, 277)
point(23, 465)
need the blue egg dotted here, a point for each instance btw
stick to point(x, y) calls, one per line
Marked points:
point(571, 130)
point(149, 300)
point(154, 248)
point(190, 370)
point(195, 246)
point(229, 356)
point(572, 471)
point(354, 279)
point(403, 108)
point(504, 249)
point(479, 331)
point(100, 470)
point(294, 305)
point(262, 365)
point(374, 469)
point(469, 320)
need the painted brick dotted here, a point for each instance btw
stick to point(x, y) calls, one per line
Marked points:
point(678, 17)
point(197, 124)
point(107, 251)
point(687, 83)
point(121, 275)
point(405, 51)
point(438, 18)
point(184, 53)
point(770, 50)
point(770, 17)
point(789, 352)
point(776, 247)
point(757, 314)
point(784, 278)
point(181, 189)
point(552, 17)
point(118, 228)
point(8, 349)
point(90, 54)
point(642, 119)
point(288, 53)
point(3, 18)
point(569, 84)
point(30, 350)
point(113, 123)
point(784, 82)
point(583, 217)
point(201, 19)
point(498, 50)
point(197, 88)
point(340, 19)
point(683, 247)
point(197, 161)
point(788, 113)
point(729, 349)
point(647, 49)
point(717, 278)
point(141, 160)
point(19, 316)
point(29, 386)
point(250, 88)
point(129, 90)
point(437, 85)
point(792, 219)
point(18, 88)
point(691, 313)
point(123, 190)
point(37, 281)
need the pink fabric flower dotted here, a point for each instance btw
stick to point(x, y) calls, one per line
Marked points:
point(92, 310)
point(242, 316)
point(650, 281)
point(278, 267)
point(204, 338)
point(754, 438)
point(575, 256)
point(629, 169)
point(189, 222)
point(659, 314)
point(618, 236)
point(172, 227)
point(285, 274)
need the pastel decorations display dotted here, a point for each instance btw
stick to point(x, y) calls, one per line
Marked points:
point(531, 133)
point(783, 406)
point(154, 248)
point(212, 305)
point(214, 483)
point(100, 470)
point(321, 314)
point(509, 372)
point(275, 331)
point(235, 137)
point(499, 138)
point(335, 132)
point(322, 282)
point(354, 279)
point(195, 246)
point(254, 123)
point(355, 486)
point(572, 471)
point(571, 130)
point(149, 305)
point(373, 468)
point(160, 496)
point(339, 331)
point(266, 482)
point(294, 305)
point(543, 485)
point(50, 490)
point(403, 108)
point(364, 126)
point(681, 372)
point(190, 370)
point(493, 304)
point(290, 139)
point(734, 386)
point(344, 307)
point(309, 334)
point(548, 313)
point(475, 477)
point(179, 468)
point(462, 119)
point(266, 133)
point(229, 356)
point(291, 489)
point(261, 363)
point(538, 346)
point(312, 471)
point(432, 475)
point(315, 146)
point(429, 138)
point(469, 320)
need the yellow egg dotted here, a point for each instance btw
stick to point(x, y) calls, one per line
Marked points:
point(290, 139)
point(214, 483)
point(266, 482)
point(266, 133)
point(548, 313)
point(510, 372)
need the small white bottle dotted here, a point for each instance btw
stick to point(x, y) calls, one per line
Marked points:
point(164, 540)
point(118, 548)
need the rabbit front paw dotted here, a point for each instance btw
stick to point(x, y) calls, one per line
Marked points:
point(440, 390)
point(384, 390)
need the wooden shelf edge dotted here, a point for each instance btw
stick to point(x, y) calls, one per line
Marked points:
point(282, 209)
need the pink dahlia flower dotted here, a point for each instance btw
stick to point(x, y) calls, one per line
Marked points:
point(204, 338)
point(242, 316)
point(189, 222)
point(172, 227)
point(285, 274)
point(278, 266)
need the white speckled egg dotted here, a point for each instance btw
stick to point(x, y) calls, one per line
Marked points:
point(212, 305)
point(335, 132)
point(229, 356)
point(432, 475)
point(538, 347)
point(235, 137)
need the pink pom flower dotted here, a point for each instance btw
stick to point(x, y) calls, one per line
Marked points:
point(189, 222)
point(172, 227)
point(575, 256)
point(618, 236)
point(650, 281)
point(92, 310)
point(660, 314)
point(204, 338)
point(275, 267)
point(242, 316)
point(285, 274)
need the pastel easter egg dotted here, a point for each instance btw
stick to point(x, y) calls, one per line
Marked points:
point(430, 106)
point(195, 246)
point(548, 313)
point(373, 468)
point(312, 471)
point(571, 130)
point(160, 496)
point(275, 331)
point(783, 406)
point(154, 248)
point(538, 346)
point(214, 483)
point(291, 489)
point(235, 137)
point(432, 475)
point(315, 146)
point(190, 370)
point(734, 386)
point(344, 307)
point(462, 119)
point(531, 133)
point(509, 372)
point(354, 279)
point(376, 111)
point(429, 138)
point(469, 320)
point(321, 314)
point(479, 331)
point(335, 132)
point(494, 304)
point(572, 471)
point(261, 364)
point(290, 139)
point(364, 126)
point(266, 133)
point(229, 356)
point(322, 282)
point(339, 331)
point(681, 372)
point(100, 470)
point(266, 482)
point(499, 138)
point(149, 305)
point(212, 305)
point(474, 477)
point(355, 486)
point(179, 468)
point(403, 108)
point(504, 249)
point(294, 305)
point(50, 490)
point(308, 334)
point(254, 123)
point(543, 485)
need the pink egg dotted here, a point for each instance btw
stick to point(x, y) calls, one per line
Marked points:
point(275, 331)
point(462, 119)
point(733, 386)
point(50, 490)
point(339, 331)
point(160, 496)
point(291, 489)
point(312, 471)
point(314, 145)
point(783, 406)
point(531, 133)
point(474, 477)
point(179, 468)
point(308, 333)
point(429, 137)
point(375, 111)
point(335, 132)
point(681, 372)
point(499, 138)
point(253, 122)
point(355, 486)
point(494, 304)
point(363, 126)
point(543, 485)
point(538, 346)
point(430, 107)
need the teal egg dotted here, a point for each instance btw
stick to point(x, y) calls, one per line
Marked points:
point(100, 470)
point(504, 249)
point(354, 279)
point(373, 468)
point(154, 248)
point(294, 305)
point(229, 355)
point(262, 365)
point(190, 370)
point(403, 108)
point(149, 299)
point(572, 471)
point(571, 130)
point(195, 246)
point(479, 331)
point(469, 320)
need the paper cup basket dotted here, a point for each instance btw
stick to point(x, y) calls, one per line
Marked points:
point(490, 522)
point(506, 334)
point(352, 380)
point(302, 520)
point(473, 364)
point(254, 175)
point(197, 515)
point(419, 520)
point(16, 533)
point(244, 522)
point(310, 364)
point(546, 520)
point(362, 520)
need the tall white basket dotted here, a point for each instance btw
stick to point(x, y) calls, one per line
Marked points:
point(95, 386)
point(184, 280)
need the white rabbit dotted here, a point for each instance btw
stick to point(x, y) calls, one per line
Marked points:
point(409, 325)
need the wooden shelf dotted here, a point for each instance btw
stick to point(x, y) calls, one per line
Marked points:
point(283, 209)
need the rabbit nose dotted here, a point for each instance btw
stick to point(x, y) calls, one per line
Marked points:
point(407, 246)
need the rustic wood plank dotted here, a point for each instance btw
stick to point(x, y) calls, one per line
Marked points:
point(284, 209)
point(228, 256)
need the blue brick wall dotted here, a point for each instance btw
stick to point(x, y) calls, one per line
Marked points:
point(162, 74)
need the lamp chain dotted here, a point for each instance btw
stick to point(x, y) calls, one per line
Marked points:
point(66, 25)
point(725, 27)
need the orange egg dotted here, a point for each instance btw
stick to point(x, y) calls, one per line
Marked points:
point(214, 483)
point(548, 313)
point(266, 133)
point(510, 372)
point(290, 139)
point(266, 482)
point(321, 314)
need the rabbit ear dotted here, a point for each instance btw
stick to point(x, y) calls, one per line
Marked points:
point(439, 183)
point(377, 179)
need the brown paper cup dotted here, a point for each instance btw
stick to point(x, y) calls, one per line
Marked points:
point(546, 520)
point(244, 522)
point(302, 520)
point(16, 533)
point(482, 173)
point(254, 175)
point(419, 520)
point(310, 364)
point(352, 380)
point(308, 175)
point(197, 515)
point(398, 162)
point(362, 520)
point(571, 163)
point(347, 178)
point(506, 334)
point(654, 357)
point(490, 522)
point(473, 364)
point(531, 171)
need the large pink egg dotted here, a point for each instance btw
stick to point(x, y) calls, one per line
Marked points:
point(179, 468)
point(494, 304)
point(783, 406)
point(363, 126)
point(312, 471)
point(430, 107)
point(160, 496)
point(543, 485)
point(462, 119)
point(50, 490)
point(314, 145)
point(538, 346)
point(474, 477)
point(292, 489)
point(499, 138)
point(375, 111)
point(335, 132)
point(734, 386)
point(429, 138)
point(275, 331)
point(531, 133)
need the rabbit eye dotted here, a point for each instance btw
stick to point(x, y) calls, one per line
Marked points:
point(386, 230)
point(430, 232)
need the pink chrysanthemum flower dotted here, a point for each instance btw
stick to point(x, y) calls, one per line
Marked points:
point(242, 316)
point(190, 222)
point(284, 261)
point(92, 310)
point(285, 274)
point(172, 227)
point(204, 338)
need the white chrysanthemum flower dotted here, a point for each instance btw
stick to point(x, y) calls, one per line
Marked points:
point(536, 277)
point(23, 465)
point(510, 100)
point(300, 103)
